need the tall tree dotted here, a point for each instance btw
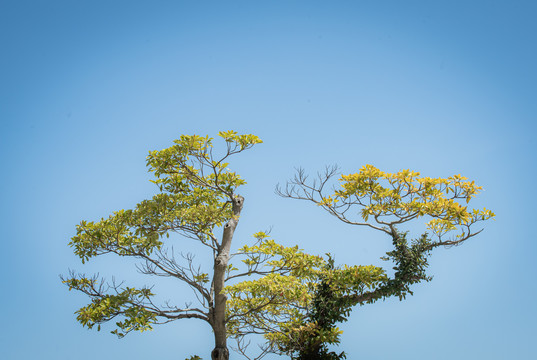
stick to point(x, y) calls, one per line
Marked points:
point(197, 199)
point(379, 200)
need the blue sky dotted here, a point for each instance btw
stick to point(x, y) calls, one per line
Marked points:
point(441, 87)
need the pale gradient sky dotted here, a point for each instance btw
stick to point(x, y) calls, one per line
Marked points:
point(87, 88)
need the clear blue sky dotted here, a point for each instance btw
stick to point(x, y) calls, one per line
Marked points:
point(87, 88)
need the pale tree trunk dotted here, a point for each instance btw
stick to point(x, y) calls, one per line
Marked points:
point(218, 315)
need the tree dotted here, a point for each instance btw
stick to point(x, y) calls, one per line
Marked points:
point(295, 299)
point(198, 197)
point(383, 201)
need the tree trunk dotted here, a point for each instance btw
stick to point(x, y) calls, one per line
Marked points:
point(218, 318)
point(220, 354)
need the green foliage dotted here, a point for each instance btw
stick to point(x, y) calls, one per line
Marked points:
point(410, 265)
point(277, 257)
point(338, 291)
point(196, 192)
point(106, 307)
point(294, 299)
point(180, 168)
point(298, 312)
point(122, 233)
point(395, 198)
point(286, 308)
point(310, 341)
point(282, 290)
point(305, 327)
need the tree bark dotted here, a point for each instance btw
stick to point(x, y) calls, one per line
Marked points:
point(218, 315)
point(220, 354)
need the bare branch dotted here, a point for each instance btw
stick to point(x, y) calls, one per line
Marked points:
point(242, 347)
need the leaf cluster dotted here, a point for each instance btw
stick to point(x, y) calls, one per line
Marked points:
point(383, 200)
point(281, 291)
point(104, 307)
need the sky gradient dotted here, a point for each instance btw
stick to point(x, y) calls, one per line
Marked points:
point(440, 87)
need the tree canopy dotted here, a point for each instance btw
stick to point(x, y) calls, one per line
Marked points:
point(324, 295)
point(292, 298)
point(197, 197)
